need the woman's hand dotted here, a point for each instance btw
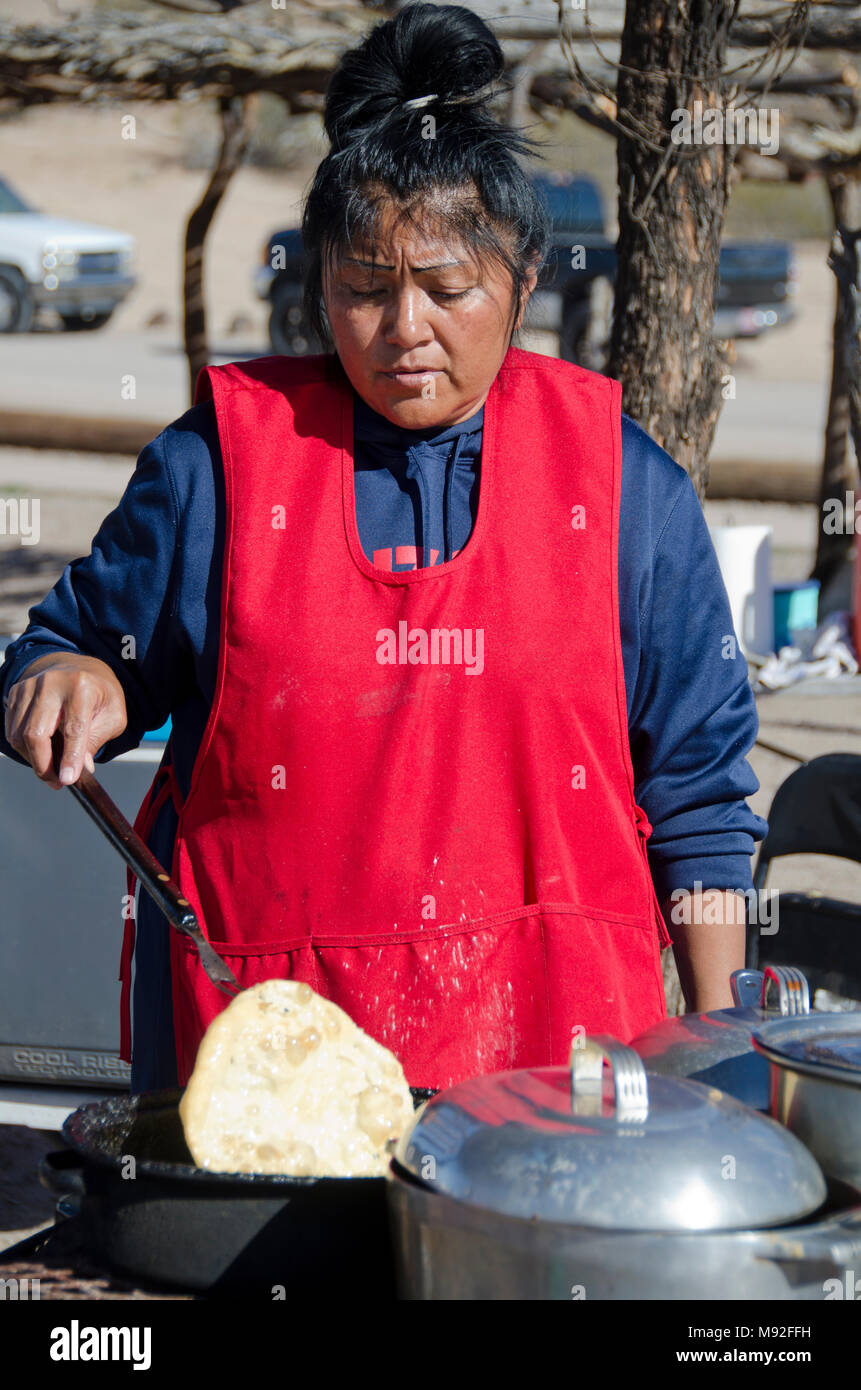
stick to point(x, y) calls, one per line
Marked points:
point(77, 695)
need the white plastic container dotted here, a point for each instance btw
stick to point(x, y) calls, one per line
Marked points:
point(744, 556)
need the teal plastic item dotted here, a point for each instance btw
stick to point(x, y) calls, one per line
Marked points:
point(796, 609)
point(158, 735)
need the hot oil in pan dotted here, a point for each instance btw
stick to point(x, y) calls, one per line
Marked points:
point(149, 1129)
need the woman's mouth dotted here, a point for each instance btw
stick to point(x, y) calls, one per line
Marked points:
point(412, 378)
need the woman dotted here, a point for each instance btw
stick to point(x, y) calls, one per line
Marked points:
point(431, 618)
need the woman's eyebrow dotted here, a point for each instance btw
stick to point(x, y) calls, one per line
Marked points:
point(377, 265)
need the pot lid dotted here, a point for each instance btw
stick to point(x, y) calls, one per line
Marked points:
point(619, 1151)
point(778, 991)
point(716, 1047)
point(826, 1045)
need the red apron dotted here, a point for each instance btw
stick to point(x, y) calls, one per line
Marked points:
point(414, 791)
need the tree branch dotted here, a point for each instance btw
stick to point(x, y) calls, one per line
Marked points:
point(234, 139)
point(136, 58)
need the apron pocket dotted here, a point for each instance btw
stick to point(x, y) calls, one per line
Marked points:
point(497, 994)
point(605, 978)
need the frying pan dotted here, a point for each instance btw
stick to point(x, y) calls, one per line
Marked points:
point(160, 886)
point(147, 1211)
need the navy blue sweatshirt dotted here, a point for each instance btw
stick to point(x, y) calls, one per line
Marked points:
point(154, 572)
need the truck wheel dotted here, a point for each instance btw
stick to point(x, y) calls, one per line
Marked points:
point(16, 303)
point(574, 338)
point(78, 323)
point(585, 334)
point(289, 331)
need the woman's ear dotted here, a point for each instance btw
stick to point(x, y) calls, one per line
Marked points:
point(531, 282)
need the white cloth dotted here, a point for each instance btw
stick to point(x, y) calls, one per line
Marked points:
point(831, 656)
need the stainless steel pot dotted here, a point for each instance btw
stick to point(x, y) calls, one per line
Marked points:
point(716, 1048)
point(815, 1073)
point(551, 1183)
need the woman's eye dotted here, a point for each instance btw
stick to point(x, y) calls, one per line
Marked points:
point(437, 294)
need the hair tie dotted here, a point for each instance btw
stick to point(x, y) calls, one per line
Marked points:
point(416, 102)
point(469, 98)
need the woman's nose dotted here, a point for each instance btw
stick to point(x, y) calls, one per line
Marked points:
point(405, 318)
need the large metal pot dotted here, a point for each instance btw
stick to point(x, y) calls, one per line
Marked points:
point(548, 1184)
point(716, 1047)
point(815, 1073)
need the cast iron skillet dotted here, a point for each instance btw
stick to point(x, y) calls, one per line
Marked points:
point(149, 1212)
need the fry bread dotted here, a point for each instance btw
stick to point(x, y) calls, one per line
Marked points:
point(285, 1082)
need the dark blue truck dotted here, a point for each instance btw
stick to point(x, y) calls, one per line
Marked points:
point(574, 293)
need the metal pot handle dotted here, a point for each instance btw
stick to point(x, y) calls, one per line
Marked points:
point(746, 986)
point(753, 989)
point(834, 1241)
point(793, 992)
point(62, 1172)
point(630, 1085)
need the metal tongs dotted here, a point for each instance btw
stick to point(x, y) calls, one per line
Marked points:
point(144, 865)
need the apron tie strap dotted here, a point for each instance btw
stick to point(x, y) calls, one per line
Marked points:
point(164, 784)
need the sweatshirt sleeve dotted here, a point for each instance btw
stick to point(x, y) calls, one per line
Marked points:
point(692, 714)
point(119, 603)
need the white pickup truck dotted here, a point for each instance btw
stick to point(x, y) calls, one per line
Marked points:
point(75, 268)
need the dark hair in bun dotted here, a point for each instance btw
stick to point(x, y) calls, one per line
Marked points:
point(384, 151)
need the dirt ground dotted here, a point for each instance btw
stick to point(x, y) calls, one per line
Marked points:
point(25, 1206)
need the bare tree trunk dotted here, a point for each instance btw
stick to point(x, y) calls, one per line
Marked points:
point(839, 465)
point(234, 138)
point(672, 202)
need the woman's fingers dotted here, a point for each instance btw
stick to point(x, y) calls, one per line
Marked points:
point(82, 722)
point(86, 707)
point(34, 721)
point(73, 719)
point(31, 737)
point(76, 722)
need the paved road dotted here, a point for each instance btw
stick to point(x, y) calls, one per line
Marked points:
point(121, 374)
point(142, 375)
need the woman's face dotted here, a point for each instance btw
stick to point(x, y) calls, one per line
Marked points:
point(431, 310)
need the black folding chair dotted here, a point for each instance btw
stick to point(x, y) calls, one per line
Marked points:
point(817, 810)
